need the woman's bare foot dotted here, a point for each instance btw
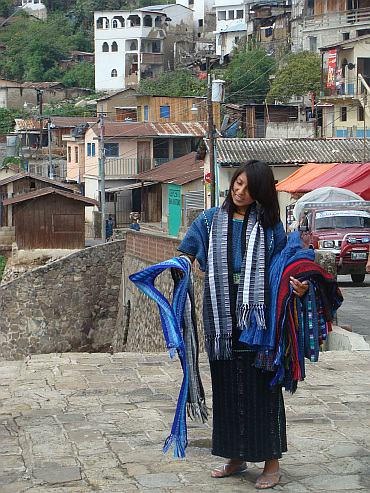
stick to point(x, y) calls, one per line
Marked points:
point(270, 477)
point(230, 467)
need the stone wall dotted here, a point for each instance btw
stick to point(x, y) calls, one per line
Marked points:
point(67, 305)
point(144, 331)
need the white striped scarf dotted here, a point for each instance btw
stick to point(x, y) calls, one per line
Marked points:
point(253, 285)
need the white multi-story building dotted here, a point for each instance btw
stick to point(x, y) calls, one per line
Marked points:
point(35, 8)
point(231, 24)
point(133, 45)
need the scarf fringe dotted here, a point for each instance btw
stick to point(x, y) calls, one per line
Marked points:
point(219, 346)
point(197, 411)
point(180, 445)
point(244, 314)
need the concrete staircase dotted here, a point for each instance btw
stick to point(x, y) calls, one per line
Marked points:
point(7, 235)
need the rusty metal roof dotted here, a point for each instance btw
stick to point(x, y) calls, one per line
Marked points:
point(232, 152)
point(178, 171)
point(47, 191)
point(56, 122)
point(152, 129)
point(25, 174)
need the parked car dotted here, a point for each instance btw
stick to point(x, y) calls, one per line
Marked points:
point(343, 230)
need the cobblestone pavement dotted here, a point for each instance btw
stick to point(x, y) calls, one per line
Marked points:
point(77, 422)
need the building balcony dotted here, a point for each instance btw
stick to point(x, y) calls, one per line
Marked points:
point(152, 58)
point(127, 167)
point(351, 87)
point(333, 20)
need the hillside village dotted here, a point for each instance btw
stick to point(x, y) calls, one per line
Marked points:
point(154, 144)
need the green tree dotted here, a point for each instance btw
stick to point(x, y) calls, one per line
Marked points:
point(300, 75)
point(248, 74)
point(81, 75)
point(180, 82)
point(6, 8)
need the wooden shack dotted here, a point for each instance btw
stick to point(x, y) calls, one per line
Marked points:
point(49, 218)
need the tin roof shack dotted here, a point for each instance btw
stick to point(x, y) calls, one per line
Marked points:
point(268, 120)
point(119, 106)
point(49, 218)
point(23, 183)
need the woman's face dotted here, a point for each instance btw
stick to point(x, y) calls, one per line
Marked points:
point(240, 194)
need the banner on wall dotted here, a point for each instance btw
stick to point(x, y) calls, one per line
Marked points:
point(331, 68)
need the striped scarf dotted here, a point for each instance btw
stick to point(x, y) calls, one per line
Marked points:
point(252, 295)
point(180, 313)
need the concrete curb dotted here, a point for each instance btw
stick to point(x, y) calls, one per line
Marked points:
point(343, 340)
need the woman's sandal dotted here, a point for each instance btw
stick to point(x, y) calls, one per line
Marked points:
point(222, 470)
point(270, 483)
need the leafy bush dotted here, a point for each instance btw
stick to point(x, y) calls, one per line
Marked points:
point(3, 261)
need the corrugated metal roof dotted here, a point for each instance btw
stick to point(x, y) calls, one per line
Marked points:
point(22, 175)
point(232, 152)
point(48, 191)
point(56, 122)
point(178, 171)
point(153, 129)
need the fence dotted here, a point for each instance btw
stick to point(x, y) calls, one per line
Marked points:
point(125, 167)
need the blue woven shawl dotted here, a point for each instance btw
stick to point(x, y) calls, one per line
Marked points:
point(171, 317)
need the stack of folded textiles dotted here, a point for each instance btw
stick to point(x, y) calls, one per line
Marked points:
point(301, 324)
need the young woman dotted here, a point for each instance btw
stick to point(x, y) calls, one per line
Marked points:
point(234, 245)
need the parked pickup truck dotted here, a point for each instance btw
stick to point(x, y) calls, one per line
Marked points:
point(344, 230)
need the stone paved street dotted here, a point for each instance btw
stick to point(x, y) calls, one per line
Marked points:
point(78, 422)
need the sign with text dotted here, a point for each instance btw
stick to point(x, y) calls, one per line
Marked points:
point(331, 68)
point(174, 209)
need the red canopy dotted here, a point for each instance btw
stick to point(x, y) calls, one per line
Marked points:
point(354, 177)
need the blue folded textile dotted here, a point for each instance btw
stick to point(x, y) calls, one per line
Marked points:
point(171, 317)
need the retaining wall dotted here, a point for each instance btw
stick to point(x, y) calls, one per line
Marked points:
point(144, 331)
point(67, 305)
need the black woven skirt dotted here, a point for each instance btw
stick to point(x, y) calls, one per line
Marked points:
point(248, 417)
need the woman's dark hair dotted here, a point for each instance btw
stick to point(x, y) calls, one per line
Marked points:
point(261, 186)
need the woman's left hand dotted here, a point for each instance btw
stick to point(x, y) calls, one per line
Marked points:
point(299, 288)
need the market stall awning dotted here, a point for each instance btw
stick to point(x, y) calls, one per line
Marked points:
point(352, 176)
point(307, 173)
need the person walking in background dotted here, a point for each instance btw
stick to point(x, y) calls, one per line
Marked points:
point(234, 245)
point(108, 228)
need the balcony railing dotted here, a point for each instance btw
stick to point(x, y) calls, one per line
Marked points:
point(337, 19)
point(125, 167)
point(153, 58)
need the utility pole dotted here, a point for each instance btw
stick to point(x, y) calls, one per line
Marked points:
point(365, 100)
point(39, 100)
point(51, 171)
point(211, 138)
point(102, 176)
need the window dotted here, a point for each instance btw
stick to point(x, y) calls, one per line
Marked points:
point(360, 116)
point(114, 24)
point(69, 153)
point(114, 46)
point(231, 14)
point(93, 149)
point(165, 112)
point(138, 110)
point(239, 14)
point(88, 149)
point(148, 22)
point(111, 150)
point(344, 114)
point(146, 113)
point(313, 43)
point(200, 22)
point(222, 15)
point(113, 73)
point(345, 36)
point(105, 46)
point(76, 154)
